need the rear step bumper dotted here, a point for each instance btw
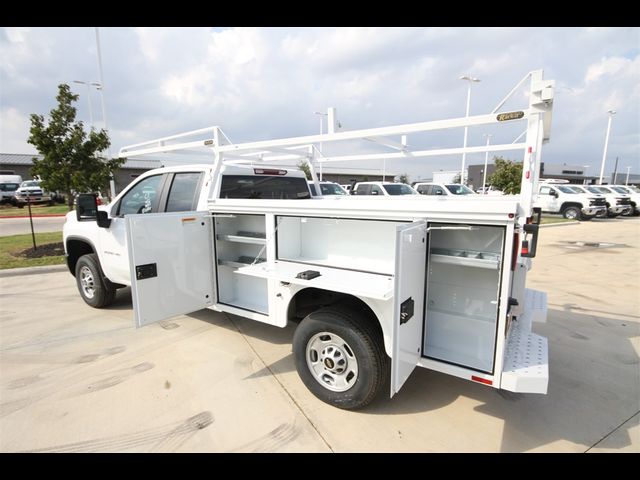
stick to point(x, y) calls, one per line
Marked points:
point(526, 362)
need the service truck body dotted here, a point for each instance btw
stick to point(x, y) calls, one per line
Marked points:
point(408, 281)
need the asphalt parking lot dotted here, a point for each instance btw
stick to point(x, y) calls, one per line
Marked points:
point(77, 379)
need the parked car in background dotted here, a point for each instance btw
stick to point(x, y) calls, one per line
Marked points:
point(634, 197)
point(31, 191)
point(327, 188)
point(617, 203)
point(570, 201)
point(489, 190)
point(385, 189)
point(8, 186)
point(429, 188)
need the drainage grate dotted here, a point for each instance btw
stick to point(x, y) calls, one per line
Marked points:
point(590, 245)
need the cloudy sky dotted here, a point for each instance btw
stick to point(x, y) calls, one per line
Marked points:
point(262, 83)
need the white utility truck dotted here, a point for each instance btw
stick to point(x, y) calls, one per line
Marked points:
point(377, 285)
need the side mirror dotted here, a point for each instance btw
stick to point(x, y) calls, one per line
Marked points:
point(86, 207)
point(553, 193)
point(102, 218)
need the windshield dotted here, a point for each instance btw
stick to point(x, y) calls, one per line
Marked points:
point(565, 189)
point(598, 190)
point(459, 189)
point(8, 187)
point(30, 183)
point(577, 189)
point(399, 189)
point(620, 190)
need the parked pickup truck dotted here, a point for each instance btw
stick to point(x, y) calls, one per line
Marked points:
point(97, 253)
point(617, 203)
point(566, 200)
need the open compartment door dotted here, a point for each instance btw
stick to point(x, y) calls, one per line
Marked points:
point(408, 313)
point(170, 259)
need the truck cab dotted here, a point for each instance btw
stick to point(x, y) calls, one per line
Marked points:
point(162, 190)
point(634, 197)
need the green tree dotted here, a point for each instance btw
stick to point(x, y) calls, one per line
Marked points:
point(304, 166)
point(507, 176)
point(71, 162)
point(404, 178)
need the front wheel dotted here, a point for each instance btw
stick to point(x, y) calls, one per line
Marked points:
point(571, 213)
point(91, 284)
point(340, 357)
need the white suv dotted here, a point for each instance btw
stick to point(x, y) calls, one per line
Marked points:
point(443, 189)
point(385, 189)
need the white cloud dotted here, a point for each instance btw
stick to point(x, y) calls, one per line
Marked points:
point(14, 132)
point(260, 83)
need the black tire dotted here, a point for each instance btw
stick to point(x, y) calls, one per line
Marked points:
point(363, 342)
point(91, 284)
point(572, 213)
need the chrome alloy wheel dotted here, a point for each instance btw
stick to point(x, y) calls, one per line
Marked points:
point(331, 362)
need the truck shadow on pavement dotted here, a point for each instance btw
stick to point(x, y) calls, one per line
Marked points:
point(593, 384)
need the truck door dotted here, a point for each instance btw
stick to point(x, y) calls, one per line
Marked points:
point(411, 252)
point(547, 201)
point(170, 259)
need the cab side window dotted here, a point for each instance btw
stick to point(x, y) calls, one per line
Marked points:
point(363, 190)
point(142, 198)
point(424, 189)
point(184, 192)
point(437, 190)
point(545, 191)
point(376, 190)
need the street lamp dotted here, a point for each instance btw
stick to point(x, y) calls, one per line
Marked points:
point(88, 84)
point(466, 128)
point(486, 159)
point(320, 146)
point(606, 144)
point(626, 182)
point(112, 184)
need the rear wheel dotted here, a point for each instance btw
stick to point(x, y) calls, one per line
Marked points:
point(91, 284)
point(340, 357)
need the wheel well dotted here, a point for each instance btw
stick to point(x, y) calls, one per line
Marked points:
point(570, 204)
point(76, 249)
point(311, 299)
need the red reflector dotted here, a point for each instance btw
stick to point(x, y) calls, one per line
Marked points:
point(267, 171)
point(511, 215)
point(481, 380)
point(530, 149)
point(527, 175)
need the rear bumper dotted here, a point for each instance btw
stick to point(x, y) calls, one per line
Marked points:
point(526, 358)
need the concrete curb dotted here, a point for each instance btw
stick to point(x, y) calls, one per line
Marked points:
point(14, 272)
point(560, 224)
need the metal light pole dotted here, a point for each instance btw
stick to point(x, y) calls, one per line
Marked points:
point(606, 144)
point(112, 185)
point(320, 146)
point(88, 84)
point(486, 159)
point(466, 128)
point(626, 182)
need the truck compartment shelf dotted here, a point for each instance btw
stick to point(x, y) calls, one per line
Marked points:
point(466, 258)
point(240, 262)
point(251, 239)
point(368, 285)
